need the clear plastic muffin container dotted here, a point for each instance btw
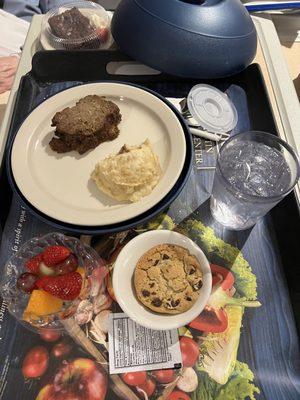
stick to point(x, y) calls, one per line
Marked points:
point(77, 25)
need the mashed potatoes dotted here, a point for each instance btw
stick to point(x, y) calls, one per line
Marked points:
point(129, 175)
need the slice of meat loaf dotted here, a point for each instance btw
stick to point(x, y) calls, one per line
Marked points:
point(63, 143)
point(90, 115)
point(91, 121)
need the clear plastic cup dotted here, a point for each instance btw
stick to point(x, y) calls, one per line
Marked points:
point(254, 171)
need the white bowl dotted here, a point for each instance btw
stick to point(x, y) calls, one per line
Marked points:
point(123, 280)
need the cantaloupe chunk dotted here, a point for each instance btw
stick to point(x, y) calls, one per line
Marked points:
point(40, 304)
point(81, 271)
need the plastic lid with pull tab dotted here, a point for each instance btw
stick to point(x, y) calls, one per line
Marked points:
point(212, 109)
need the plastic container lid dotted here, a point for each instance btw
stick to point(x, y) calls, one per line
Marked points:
point(212, 109)
point(88, 24)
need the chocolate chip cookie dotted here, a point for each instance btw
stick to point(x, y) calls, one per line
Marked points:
point(168, 279)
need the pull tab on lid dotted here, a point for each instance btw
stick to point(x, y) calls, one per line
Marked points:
point(212, 109)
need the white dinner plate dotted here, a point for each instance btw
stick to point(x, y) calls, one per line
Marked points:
point(59, 185)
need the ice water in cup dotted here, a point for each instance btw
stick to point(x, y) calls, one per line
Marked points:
point(254, 171)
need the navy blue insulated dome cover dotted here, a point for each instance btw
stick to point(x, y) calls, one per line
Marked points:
point(189, 38)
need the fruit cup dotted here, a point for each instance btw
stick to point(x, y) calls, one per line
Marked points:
point(45, 281)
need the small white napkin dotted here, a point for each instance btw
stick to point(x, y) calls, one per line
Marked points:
point(13, 31)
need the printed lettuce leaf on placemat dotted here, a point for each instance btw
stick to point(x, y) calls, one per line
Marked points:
point(218, 351)
point(162, 221)
point(240, 386)
point(204, 236)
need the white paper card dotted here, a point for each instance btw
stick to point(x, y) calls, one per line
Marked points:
point(13, 31)
point(135, 348)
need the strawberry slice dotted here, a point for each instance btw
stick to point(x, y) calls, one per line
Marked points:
point(65, 287)
point(54, 255)
point(33, 264)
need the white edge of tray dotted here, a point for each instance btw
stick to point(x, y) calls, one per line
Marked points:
point(284, 90)
point(23, 68)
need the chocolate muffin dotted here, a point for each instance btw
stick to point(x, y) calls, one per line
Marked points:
point(71, 24)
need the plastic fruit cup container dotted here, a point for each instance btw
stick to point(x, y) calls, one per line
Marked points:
point(99, 38)
point(17, 300)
